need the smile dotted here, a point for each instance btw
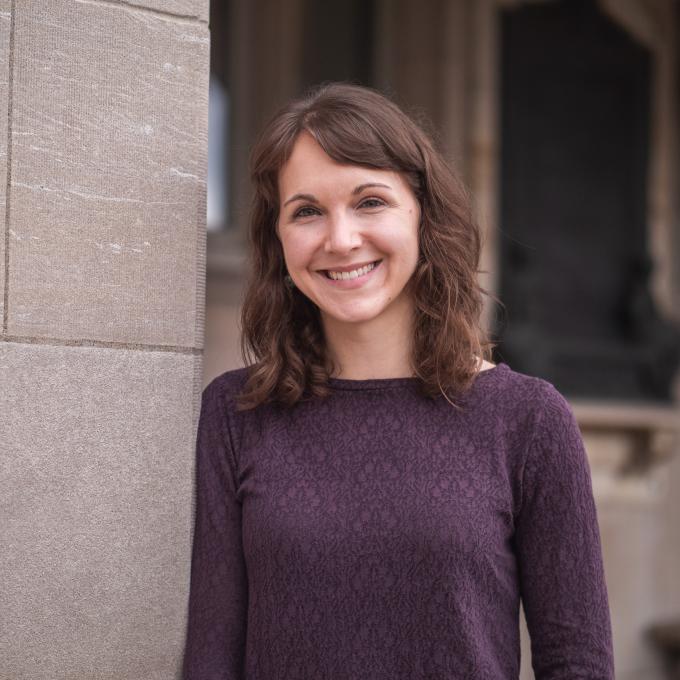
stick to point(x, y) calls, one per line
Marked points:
point(351, 279)
point(353, 274)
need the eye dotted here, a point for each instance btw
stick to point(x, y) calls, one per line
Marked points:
point(305, 211)
point(371, 203)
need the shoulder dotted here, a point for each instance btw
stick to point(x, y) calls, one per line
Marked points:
point(219, 416)
point(535, 401)
point(544, 428)
point(227, 385)
point(553, 439)
point(218, 398)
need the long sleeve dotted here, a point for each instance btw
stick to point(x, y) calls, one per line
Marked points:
point(218, 597)
point(559, 553)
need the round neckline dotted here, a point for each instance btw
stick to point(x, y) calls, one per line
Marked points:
point(383, 383)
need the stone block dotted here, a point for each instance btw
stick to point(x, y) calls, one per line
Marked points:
point(109, 166)
point(97, 450)
point(181, 8)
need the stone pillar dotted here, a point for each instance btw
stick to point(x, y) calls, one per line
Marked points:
point(103, 162)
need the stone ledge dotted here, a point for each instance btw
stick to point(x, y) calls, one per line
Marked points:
point(630, 446)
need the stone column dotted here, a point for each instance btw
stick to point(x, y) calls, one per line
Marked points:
point(103, 162)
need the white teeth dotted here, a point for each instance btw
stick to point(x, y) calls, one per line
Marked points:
point(353, 274)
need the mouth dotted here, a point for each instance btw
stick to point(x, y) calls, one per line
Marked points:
point(359, 273)
point(348, 281)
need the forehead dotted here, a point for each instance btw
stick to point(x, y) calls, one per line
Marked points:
point(309, 169)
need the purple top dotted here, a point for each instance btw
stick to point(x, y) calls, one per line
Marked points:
point(379, 534)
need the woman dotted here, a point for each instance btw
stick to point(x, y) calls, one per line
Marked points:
point(374, 497)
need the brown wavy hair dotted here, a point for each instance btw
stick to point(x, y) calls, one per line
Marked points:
point(282, 339)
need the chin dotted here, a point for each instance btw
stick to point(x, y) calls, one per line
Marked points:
point(351, 316)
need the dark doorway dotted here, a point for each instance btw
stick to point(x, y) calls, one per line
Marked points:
point(338, 41)
point(574, 262)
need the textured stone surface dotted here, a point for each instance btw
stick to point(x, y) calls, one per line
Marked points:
point(109, 164)
point(5, 17)
point(96, 454)
point(183, 8)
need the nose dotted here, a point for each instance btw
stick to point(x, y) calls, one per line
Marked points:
point(343, 234)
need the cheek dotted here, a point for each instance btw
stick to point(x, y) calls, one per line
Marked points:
point(401, 244)
point(297, 250)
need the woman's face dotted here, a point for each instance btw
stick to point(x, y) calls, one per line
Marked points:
point(349, 233)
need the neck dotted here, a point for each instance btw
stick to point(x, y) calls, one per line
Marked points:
point(377, 348)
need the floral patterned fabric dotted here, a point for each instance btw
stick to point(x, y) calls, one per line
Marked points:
point(377, 534)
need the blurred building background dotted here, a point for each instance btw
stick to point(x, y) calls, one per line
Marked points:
point(563, 117)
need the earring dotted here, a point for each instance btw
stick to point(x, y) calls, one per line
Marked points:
point(288, 281)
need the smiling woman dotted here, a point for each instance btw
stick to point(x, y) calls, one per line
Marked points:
point(350, 523)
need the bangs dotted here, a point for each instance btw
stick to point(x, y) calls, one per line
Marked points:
point(348, 141)
point(361, 129)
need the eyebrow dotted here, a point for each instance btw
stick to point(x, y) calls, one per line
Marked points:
point(355, 191)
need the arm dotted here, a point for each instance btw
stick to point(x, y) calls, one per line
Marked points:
point(559, 554)
point(218, 598)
